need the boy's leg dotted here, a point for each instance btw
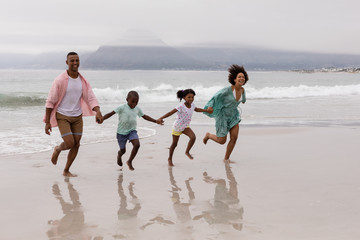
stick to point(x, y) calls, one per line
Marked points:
point(188, 132)
point(172, 148)
point(120, 153)
point(122, 139)
point(136, 146)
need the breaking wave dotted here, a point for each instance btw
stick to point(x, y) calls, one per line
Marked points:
point(167, 92)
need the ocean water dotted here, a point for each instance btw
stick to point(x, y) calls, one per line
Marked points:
point(273, 99)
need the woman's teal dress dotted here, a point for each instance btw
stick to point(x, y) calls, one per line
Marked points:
point(226, 111)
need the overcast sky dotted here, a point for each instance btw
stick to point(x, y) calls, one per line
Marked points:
point(35, 26)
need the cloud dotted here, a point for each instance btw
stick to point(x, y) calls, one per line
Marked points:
point(308, 25)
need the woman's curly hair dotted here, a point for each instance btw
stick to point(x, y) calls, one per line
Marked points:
point(234, 70)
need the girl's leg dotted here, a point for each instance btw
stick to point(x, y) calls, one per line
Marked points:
point(120, 153)
point(172, 148)
point(220, 140)
point(136, 146)
point(234, 132)
point(188, 132)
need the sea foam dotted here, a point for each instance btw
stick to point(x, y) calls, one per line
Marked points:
point(167, 92)
point(302, 91)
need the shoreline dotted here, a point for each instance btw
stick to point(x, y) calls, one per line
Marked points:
point(286, 183)
point(153, 129)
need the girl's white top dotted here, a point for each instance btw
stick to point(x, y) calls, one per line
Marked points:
point(183, 117)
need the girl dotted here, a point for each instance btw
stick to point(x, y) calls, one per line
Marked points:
point(183, 118)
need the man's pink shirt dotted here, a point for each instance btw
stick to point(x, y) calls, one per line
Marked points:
point(57, 92)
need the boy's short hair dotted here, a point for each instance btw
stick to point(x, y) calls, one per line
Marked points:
point(132, 94)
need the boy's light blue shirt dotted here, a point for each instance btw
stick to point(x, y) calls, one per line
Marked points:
point(127, 118)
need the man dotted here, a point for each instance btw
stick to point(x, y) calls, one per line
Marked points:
point(70, 98)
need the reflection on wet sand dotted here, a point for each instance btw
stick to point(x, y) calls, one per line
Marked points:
point(222, 211)
point(127, 216)
point(125, 212)
point(195, 212)
point(72, 224)
point(181, 209)
point(157, 219)
point(225, 207)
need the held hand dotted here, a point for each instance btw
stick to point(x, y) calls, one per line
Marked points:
point(210, 110)
point(99, 118)
point(160, 121)
point(48, 128)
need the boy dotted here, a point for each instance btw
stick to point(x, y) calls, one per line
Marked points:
point(127, 126)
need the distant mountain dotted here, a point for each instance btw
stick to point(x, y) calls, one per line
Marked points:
point(203, 58)
point(264, 59)
point(163, 56)
point(141, 57)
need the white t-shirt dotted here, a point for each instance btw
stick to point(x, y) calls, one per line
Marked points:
point(70, 105)
point(183, 117)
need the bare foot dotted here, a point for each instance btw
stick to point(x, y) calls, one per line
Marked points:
point(189, 156)
point(206, 138)
point(130, 166)
point(55, 155)
point(119, 161)
point(69, 174)
point(170, 163)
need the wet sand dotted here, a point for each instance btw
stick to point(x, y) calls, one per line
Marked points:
point(285, 183)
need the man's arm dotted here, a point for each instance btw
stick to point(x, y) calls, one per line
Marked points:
point(99, 118)
point(47, 120)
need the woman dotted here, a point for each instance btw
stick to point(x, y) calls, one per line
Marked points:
point(225, 109)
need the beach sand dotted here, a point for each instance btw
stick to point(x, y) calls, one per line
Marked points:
point(285, 183)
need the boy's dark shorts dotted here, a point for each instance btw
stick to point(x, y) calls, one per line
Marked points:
point(122, 139)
